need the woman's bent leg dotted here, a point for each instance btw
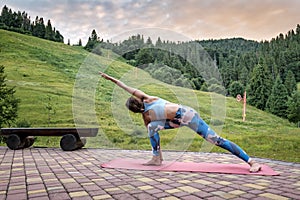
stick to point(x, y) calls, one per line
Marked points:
point(153, 128)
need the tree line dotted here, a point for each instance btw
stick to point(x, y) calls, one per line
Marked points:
point(20, 22)
point(267, 70)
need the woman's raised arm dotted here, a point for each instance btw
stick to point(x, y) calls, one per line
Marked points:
point(135, 92)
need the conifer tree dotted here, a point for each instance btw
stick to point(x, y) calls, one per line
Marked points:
point(244, 75)
point(290, 82)
point(235, 88)
point(277, 101)
point(149, 42)
point(92, 41)
point(293, 111)
point(158, 42)
point(39, 28)
point(8, 102)
point(6, 16)
point(26, 23)
point(58, 37)
point(49, 34)
point(259, 87)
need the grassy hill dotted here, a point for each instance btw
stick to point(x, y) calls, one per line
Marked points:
point(49, 74)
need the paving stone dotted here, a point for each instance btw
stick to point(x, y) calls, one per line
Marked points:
point(123, 197)
point(160, 195)
point(181, 194)
point(171, 198)
point(40, 198)
point(224, 182)
point(248, 196)
point(59, 196)
point(145, 187)
point(153, 191)
point(273, 196)
point(176, 184)
point(223, 194)
point(18, 196)
point(144, 196)
point(203, 182)
point(255, 186)
point(78, 194)
point(126, 187)
point(202, 194)
point(189, 197)
point(291, 196)
point(91, 187)
point(237, 192)
point(188, 189)
point(172, 191)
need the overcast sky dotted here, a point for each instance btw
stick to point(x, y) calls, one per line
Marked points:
point(191, 19)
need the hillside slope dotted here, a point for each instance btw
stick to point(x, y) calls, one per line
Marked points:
point(46, 74)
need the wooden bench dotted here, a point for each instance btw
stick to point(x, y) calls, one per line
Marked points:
point(72, 138)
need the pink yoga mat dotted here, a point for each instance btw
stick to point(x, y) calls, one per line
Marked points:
point(137, 164)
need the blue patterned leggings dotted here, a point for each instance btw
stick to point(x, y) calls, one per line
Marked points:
point(186, 116)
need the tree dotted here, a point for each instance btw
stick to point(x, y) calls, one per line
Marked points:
point(277, 101)
point(259, 87)
point(204, 87)
point(49, 34)
point(149, 42)
point(26, 23)
point(94, 36)
point(93, 41)
point(39, 28)
point(8, 102)
point(243, 78)
point(236, 88)
point(293, 104)
point(58, 37)
point(6, 16)
point(290, 82)
point(158, 42)
point(144, 56)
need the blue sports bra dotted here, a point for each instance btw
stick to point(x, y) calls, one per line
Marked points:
point(158, 107)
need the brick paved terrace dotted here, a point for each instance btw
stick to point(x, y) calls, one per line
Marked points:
point(50, 173)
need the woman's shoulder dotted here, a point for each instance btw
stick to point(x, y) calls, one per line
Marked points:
point(151, 99)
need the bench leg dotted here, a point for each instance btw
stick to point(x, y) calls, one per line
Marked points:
point(15, 142)
point(29, 140)
point(70, 142)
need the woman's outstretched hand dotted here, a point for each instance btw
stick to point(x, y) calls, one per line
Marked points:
point(107, 77)
point(104, 75)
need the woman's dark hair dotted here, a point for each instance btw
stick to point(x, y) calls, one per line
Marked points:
point(134, 105)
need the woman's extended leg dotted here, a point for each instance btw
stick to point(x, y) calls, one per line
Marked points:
point(192, 119)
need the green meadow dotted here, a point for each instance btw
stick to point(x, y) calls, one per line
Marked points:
point(65, 78)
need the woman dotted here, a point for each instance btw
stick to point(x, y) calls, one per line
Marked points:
point(159, 114)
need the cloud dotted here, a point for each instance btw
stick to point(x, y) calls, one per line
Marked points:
point(256, 19)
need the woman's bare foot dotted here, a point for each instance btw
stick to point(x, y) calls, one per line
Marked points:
point(254, 167)
point(155, 161)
